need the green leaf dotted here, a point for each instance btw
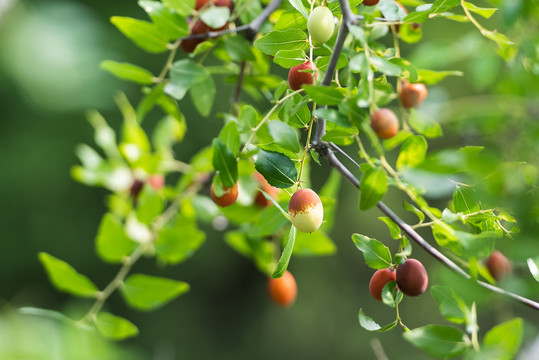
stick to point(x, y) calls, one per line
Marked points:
point(146, 292)
point(452, 307)
point(431, 77)
point(172, 25)
point(376, 254)
point(505, 338)
point(412, 153)
point(114, 327)
point(391, 295)
point(314, 244)
point(112, 243)
point(407, 68)
point(177, 244)
point(394, 229)
point(285, 256)
point(225, 162)
point(484, 12)
point(465, 200)
point(128, 72)
point(391, 10)
point(168, 131)
point(534, 269)
point(369, 324)
point(270, 221)
point(289, 58)
point(239, 49)
point(65, 278)
point(284, 135)
point(291, 19)
point(373, 187)
point(322, 62)
point(230, 136)
point(216, 16)
point(149, 205)
point(290, 39)
point(324, 95)
point(384, 66)
point(203, 95)
point(182, 7)
point(144, 34)
point(183, 74)
point(277, 168)
point(439, 341)
point(441, 6)
point(424, 125)
point(420, 214)
point(298, 5)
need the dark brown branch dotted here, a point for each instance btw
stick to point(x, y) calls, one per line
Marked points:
point(325, 150)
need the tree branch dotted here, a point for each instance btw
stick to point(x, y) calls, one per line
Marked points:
point(325, 150)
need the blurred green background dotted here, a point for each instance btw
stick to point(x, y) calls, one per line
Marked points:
point(49, 76)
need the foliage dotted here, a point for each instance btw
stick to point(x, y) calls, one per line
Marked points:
point(358, 70)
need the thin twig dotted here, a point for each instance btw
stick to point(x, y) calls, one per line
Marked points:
point(326, 151)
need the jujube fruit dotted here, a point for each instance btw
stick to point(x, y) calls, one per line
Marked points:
point(385, 123)
point(370, 2)
point(201, 3)
point(298, 77)
point(378, 280)
point(305, 210)
point(498, 266)
point(263, 185)
point(412, 95)
point(283, 290)
point(412, 278)
point(228, 198)
point(320, 24)
point(189, 45)
point(156, 181)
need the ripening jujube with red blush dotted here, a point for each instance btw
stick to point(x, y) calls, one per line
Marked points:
point(412, 278)
point(228, 198)
point(380, 279)
point(263, 185)
point(385, 123)
point(305, 210)
point(201, 3)
point(283, 290)
point(156, 181)
point(412, 94)
point(297, 76)
point(498, 265)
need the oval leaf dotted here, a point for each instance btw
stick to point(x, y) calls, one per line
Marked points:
point(439, 341)
point(412, 152)
point(285, 256)
point(146, 292)
point(225, 162)
point(112, 243)
point(64, 277)
point(277, 168)
point(115, 327)
point(144, 34)
point(128, 72)
point(373, 187)
point(376, 254)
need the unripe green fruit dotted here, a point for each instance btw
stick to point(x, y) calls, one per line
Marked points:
point(498, 266)
point(380, 279)
point(305, 210)
point(385, 123)
point(412, 278)
point(283, 290)
point(228, 198)
point(320, 24)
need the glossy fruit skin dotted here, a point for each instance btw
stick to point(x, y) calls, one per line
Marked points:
point(283, 291)
point(297, 77)
point(189, 45)
point(412, 95)
point(263, 185)
point(378, 280)
point(228, 198)
point(201, 3)
point(370, 2)
point(498, 266)
point(320, 24)
point(412, 278)
point(385, 123)
point(305, 210)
